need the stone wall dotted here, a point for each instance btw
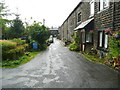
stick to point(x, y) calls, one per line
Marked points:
point(102, 19)
point(117, 16)
point(67, 28)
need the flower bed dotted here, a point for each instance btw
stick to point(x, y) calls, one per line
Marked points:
point(114, 48)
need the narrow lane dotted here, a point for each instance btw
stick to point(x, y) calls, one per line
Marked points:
point(58, 67)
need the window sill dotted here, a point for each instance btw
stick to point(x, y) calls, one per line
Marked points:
point(103, 49)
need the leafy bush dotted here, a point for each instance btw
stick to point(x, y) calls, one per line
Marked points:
point(10, 50)
point(13, 53)
point(7, 45)
point(114, 46)
point(19, 41)
point(74, 46)
point(39, 33)
point(20, 61)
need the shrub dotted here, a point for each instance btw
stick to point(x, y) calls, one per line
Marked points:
point(42, 46)
point(7, 45)
point(39, 33)
point(19, 41)
point(74, 46)
point(13, 53)
point(114, 45)
point(10, 50)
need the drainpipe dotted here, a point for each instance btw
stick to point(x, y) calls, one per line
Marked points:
point(113, 14)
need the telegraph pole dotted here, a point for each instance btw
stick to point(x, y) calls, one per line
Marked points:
point(16, 14)
point(43, 21)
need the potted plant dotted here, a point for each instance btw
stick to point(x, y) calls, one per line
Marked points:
point(108, 31)
point(91, 32)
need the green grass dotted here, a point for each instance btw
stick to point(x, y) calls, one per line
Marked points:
point(93, 58)
point(20, 61)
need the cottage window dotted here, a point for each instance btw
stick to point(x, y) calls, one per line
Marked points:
point(104, 4)
point(103, 39)
point(92, 8)
point(79, 17)
point(88, 37)
point(106, 41)
point(100, 39)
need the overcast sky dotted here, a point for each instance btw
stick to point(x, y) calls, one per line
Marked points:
point(53, 11)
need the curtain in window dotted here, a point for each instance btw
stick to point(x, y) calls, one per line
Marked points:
point(106, 41)
point(100, 38)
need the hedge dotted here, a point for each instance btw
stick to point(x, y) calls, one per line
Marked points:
point(19, 41)
point(7, 45)
point(11, 50)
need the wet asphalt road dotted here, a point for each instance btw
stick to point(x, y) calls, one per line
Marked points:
point(57, 67)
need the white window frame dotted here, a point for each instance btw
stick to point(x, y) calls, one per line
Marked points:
point(100, 39)
point(106, 41)
point(101, 5)
point(92, 8)
point(104, 4)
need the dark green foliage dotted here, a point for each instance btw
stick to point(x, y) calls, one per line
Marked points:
point(4, 28)
point(3, 22)
point(7, 45)
point(19, 41)
point(11, 50)
point(20, 61)
point(75, 45)
point(3, 9)
point(114, 46)
point(17, 29)
point(13, 53)
point(39, 33)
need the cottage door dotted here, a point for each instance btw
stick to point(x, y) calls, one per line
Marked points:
point(82, 40)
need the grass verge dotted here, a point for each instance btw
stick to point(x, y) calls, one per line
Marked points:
point(20, 61)
point(95, 59)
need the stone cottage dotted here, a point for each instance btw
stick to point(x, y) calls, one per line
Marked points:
point(107, 17)
point(90, 19)
point(80, 20)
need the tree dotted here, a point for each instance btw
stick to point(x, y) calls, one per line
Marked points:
point(39, 33)
point(4, 28)
point(3, 22)
point(3, 10)
point(17, 28)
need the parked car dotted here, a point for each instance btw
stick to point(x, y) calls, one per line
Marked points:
point(51, 39)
